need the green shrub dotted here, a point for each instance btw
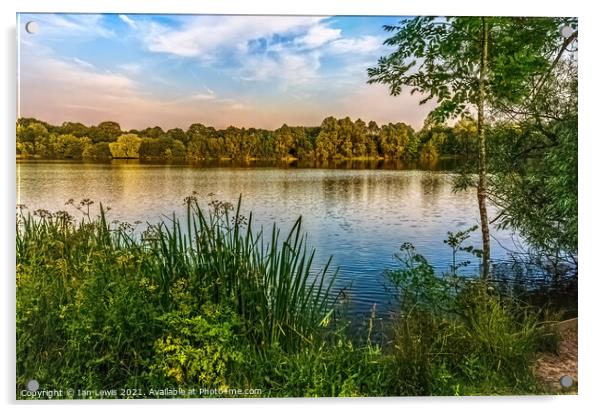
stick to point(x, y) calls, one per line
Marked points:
point(456, 335)
point(197, 350)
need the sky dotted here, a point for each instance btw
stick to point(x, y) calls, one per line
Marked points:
point(145, 70)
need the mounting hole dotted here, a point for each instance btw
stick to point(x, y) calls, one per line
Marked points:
point(32, 27)
point(566, 381)
point(566, 31)
point(33, 385)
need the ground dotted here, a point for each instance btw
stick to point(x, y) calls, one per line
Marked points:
point(550, 367)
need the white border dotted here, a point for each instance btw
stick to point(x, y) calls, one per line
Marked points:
point(589, 151)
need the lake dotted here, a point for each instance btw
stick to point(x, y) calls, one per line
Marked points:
point(359, 216)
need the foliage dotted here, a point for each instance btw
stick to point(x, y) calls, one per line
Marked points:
point(126, 146)
point(338, 368)
point(120, 311)
point(199, 350)
point(440, 57)
point(457, 335)
point(536, 170)
point(100, 150)
point(333, 139)
point(209, 304)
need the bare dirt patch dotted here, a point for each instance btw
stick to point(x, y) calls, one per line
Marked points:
point(550, 367)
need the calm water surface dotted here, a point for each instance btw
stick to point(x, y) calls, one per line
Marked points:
point(359, 216)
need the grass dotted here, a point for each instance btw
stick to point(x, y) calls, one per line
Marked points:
point(211, 302)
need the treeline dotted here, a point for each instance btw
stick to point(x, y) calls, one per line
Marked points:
point(333, 139)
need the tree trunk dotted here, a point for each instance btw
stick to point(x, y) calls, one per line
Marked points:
point(482, 183)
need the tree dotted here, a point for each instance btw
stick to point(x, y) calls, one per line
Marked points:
point(246, 143)
point(28, 137)
point(467, 65)
point(232, 142)
point(429, 151)
point(177, 148)
point(344, 147)
point(76, 129)
point(265, 144)
point(302, 146)
point(68, 146)
point(283, 141)
point(535, 164)
point(373, 132)
point(126, 146)
point(360, 139)
point(465, 132)
point(98, 150)
point(178, 134)
point(197, 138)
point(327, 140)
point(394, 140)
point(155, 132)
point(107, 131)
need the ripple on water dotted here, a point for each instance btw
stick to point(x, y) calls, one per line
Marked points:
point(361, 217)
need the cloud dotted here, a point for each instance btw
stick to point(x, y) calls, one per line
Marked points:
point(128, 21)
point(286, 51)
point(264, 71)
point(202, 96)
point(318, 35)
point(88, 95)
point(357, 45)
point(207, 94)
point(83, 63)
point(281, 49)
point(293, 68)
point(204, 37)
point(66, 73)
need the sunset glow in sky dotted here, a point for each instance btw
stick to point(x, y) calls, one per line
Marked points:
point(174, 70)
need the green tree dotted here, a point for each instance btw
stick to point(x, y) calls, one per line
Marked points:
point(327, 140)
point(231, 141)
point(469, 64)
point(373, 132)
point(535, 165)
point(155, 132)
point(302, 145)
point(178, 149)
point(394, 140)
point(283, 141)
point(265, 144)
point(72, 147)
point(126, 146)
point(465, 132)
point(29, 135)
point(247, 144)
point(98, 150)
point(107, 131)
point(197, 137)
point(74, 128)
point(360, 139)
point(178, 134)
point(346, 132)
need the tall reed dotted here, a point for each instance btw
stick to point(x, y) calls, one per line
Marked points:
point(270, 281)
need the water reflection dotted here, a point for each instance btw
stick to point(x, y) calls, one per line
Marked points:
point(360, 216)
